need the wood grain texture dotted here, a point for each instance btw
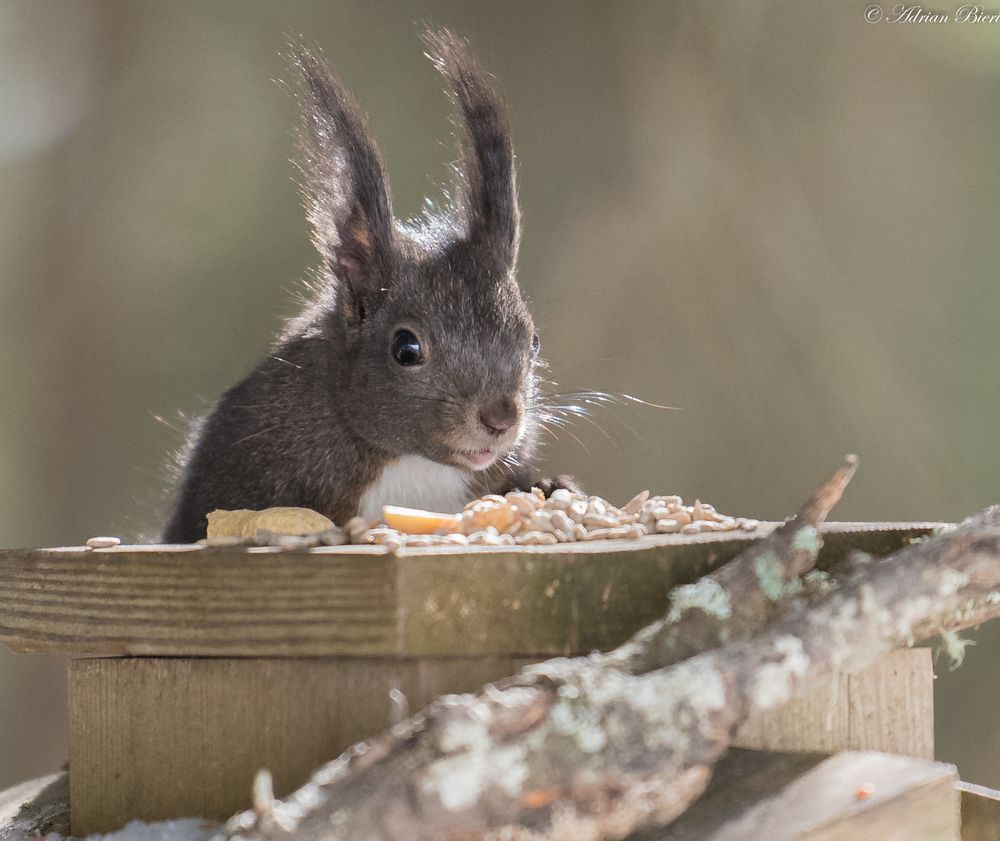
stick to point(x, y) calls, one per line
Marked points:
point(779, 797)
point(980, 813)
point(892, 705)
point(156, 738)
point(162, 737)
point(887, 707)
point(816, 721)
point(196, 603)
point(193, 601)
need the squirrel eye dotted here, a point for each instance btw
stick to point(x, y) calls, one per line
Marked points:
point(406, 348)
point(535, 344)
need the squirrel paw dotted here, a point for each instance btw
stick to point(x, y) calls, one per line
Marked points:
point(547, 486)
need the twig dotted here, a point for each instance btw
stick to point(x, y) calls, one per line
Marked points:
point(741, 597)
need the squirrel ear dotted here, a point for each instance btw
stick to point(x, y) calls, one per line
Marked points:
point(487, 189)
point(346, 191)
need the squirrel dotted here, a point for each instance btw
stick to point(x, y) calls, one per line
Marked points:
point(411, 377)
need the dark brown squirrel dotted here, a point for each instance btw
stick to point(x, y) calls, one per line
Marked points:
point(411, 377)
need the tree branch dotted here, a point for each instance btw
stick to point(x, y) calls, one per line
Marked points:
point(580, 749)
point(742, 596)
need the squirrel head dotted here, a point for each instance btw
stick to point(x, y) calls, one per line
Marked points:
point(431, 346)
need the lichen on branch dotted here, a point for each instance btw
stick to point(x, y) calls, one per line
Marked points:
point(594, 748)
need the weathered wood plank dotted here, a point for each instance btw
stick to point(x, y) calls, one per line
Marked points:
point(980, 813)
point(552, 602)
point(197, 603)
point(190, 601)
point(892, 705)
point(155, 738)
point(887, 707)
point(161, 737)
point(779, 797)
point(816, 721)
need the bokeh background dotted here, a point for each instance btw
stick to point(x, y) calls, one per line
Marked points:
point(777, 217)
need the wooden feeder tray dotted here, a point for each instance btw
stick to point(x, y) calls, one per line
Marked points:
point(194, 666)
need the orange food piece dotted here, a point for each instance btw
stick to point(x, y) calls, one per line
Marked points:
point(539, 797)
point(414, 521)
point(501, 517)
point(863, 792)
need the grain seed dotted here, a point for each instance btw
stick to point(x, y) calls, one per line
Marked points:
point(668, 526)
point(635, 503)
point(561, 522)
point(599, 521)
point(560, 499)
point(382, 535)
point(524, 503)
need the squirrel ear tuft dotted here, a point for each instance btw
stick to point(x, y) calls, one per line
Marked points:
point(346, 191)
point(487, 188)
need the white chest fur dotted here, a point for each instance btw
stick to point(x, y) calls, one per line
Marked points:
point(416, 482)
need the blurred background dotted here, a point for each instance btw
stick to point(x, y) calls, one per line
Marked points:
point(777, 217)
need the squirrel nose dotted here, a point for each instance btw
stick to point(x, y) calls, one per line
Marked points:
point(499, 416)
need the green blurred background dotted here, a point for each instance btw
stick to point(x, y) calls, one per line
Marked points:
point(777, 217)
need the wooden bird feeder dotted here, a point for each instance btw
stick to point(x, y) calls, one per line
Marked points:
point(193, 667)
